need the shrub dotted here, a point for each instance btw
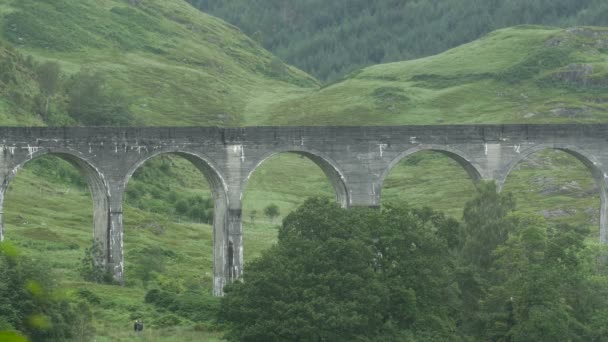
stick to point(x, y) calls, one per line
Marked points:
point(92, 102)
point(92, 265)
point(271, 211)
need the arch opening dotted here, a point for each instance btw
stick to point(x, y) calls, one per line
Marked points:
point(561, 184)
point(175, 207)
point(284, 179)
point(440, 179)
point(47, 201)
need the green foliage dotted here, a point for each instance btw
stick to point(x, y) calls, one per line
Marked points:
point(193, 304)
point(92, 265)
point(271, 211)
point(89, 296)
point(535, 63)
point(48, 76)
point(486, 225)
point(390, 98)
point(10, 336)
point(93, 103)
point(166, 321)
point(57, 170)
point(345, 275)
point(151, 189)
point(330, 39)
point(277, 67)
point(83, 322)
point(150, 261)
point(181, 67)
point(499, 276)
point(527, 280)
point(28, 302)
point(433, 81)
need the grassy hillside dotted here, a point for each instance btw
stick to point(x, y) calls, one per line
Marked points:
point(329, 39)
point(176, 65)
point(524, 74)
point(181, 67)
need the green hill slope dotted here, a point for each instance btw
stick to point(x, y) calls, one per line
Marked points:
point(177, 66)
point(525, 74)
point(329, 39)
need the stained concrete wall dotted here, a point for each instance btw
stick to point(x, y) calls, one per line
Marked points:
point(356, 160)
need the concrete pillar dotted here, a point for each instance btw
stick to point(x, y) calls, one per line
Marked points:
point(228, 255)
point(115, 244)
point(2, 190)
point(603, 215)
point(228, 245)
point(234, 248)
point(220, 246)
point(364, 192)
point(228, 236)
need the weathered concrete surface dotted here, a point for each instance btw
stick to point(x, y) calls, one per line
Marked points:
point(356, 160)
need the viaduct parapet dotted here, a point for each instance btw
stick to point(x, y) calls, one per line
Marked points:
point(356, 160)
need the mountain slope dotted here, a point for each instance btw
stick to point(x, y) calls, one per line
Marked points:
point(331, 38)
point(177, 66)
point(525, 74)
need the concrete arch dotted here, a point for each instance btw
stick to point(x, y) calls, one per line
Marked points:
point(97, 185)
point(201, 162)
point(586, 159)
point(467, 163)
point(329, 167)
point(219, 189)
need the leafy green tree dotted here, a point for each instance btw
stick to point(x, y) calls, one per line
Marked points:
point(48, 76)
point(521, 279)
point(534, 271)
point(271, 211)
point(92, 102)
point(486, 224)
point(346, 275)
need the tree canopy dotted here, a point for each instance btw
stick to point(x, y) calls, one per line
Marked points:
point(28, 301)
point(347, 275)
point(403, 274)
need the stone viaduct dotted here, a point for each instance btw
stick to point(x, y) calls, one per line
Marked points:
point(356, 160)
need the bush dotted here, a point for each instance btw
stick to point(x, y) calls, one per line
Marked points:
point(93, 103)
point(195, 304)
point(166, 321)
point(88, 296)
point(271, 211)
point(28, 302)
point(92, 265)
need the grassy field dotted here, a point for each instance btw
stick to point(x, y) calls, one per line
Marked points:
point(514, 75)
point(181, 67)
